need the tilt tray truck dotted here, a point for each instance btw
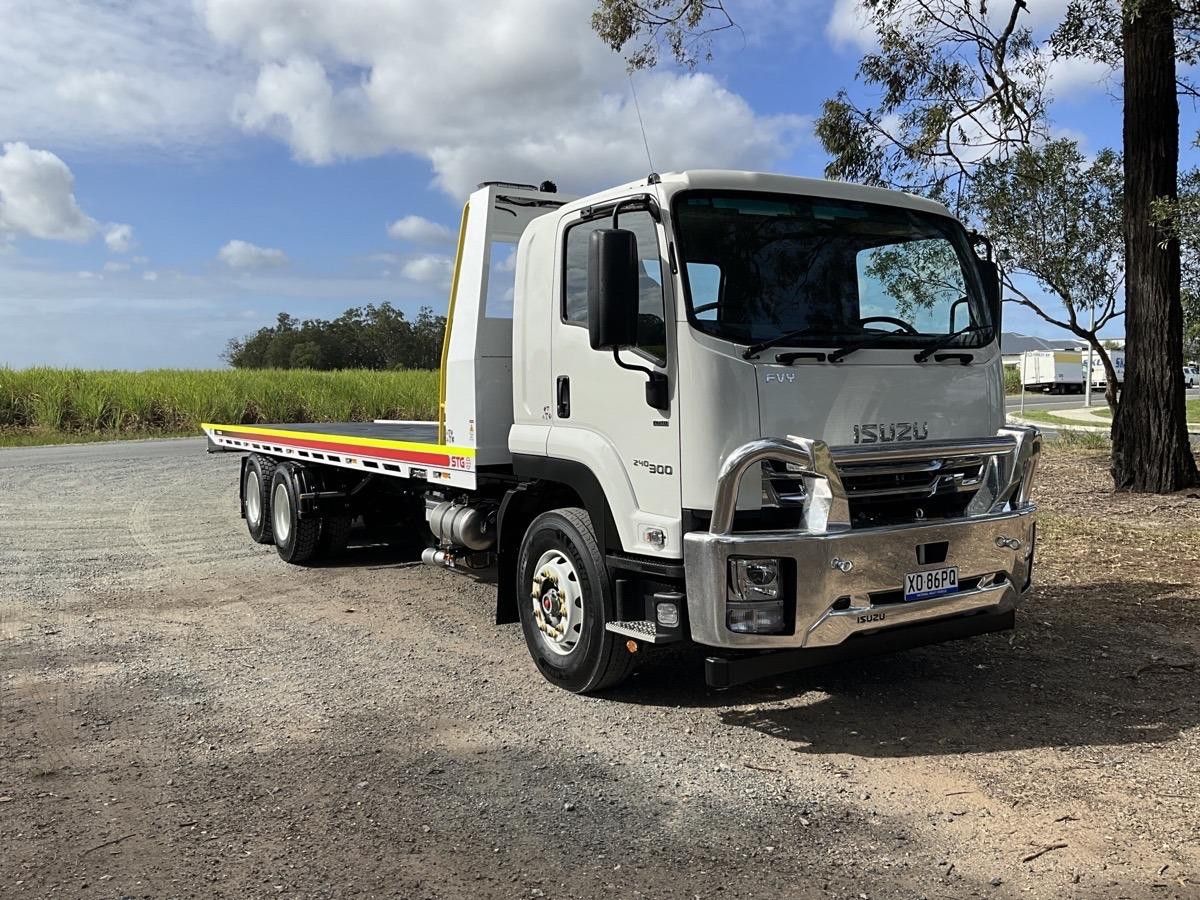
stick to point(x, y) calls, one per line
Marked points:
point(760, 413)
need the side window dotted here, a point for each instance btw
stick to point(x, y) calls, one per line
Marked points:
point(652, 331)
point(502, 273)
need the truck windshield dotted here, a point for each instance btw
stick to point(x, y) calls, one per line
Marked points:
point(833, 272)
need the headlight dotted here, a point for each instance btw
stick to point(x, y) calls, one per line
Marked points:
point(754, 579)
point(755, 603)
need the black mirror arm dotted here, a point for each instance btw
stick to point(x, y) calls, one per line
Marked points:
point(656, 382)
point(628, 201)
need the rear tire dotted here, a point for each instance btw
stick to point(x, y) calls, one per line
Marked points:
point(295, 538)
point(565, 601)
point(335, 534)
point(256, 497)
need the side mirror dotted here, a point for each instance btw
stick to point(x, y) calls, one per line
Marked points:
point(990, 273)
point(613, 274)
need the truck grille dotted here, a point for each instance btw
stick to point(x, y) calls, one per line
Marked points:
point(889, 492)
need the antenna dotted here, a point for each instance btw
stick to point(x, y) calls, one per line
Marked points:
point(641, 124)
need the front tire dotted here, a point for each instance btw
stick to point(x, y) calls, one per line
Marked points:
point(256, 497)
point(565, 601)
point(295, 538)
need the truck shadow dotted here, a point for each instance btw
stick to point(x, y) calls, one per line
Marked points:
point(1075, 672)
point(370, 553)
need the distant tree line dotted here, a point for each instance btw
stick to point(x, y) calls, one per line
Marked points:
point(375, 336)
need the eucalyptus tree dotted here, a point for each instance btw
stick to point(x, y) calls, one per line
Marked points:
point(959, 84)
point(1057, 217)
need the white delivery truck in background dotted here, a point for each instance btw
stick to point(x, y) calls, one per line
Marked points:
point(1054, 371)
point(1100, 377)
point(712, 407)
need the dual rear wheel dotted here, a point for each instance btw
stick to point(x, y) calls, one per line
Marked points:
point(271, 504)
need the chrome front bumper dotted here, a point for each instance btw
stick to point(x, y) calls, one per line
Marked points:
point(992, 545)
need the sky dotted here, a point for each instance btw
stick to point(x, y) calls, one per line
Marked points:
point(173, 173)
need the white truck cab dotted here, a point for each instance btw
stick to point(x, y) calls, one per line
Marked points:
point(761, 413)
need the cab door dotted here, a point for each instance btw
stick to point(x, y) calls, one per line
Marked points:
point(601, 417)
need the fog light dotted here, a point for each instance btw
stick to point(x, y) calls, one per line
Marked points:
point(755, 604)
point(755, 618)
point(667, 615)
point(752, 580)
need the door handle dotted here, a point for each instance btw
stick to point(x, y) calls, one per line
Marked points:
point(564, 396)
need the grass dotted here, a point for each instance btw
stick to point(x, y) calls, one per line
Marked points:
point(1082, 440)
point(44, 405)
point(1040, 415)
point(1193, 411)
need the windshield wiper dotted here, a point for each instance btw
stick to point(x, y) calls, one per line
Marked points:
point(946, 340)
point(880, 340)
point(786, 338)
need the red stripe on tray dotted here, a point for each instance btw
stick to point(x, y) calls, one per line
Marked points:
point(412, 456)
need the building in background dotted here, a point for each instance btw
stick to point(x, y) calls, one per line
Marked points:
point(1013, 345)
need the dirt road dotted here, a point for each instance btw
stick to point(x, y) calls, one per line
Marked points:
point(183, 715)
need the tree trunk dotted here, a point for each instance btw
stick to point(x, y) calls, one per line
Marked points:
point(1110, 371)
point(1151, 452)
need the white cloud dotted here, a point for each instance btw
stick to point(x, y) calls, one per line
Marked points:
point(428, 269)
point(849, 25)
point(244, 255)
point(1069, 76)
point(149, 276)
point(472, 87)
point(420, 230)
point(141, 72)
point(37, 196)
point(502, 100)
point(116, 267)
point(119, 238)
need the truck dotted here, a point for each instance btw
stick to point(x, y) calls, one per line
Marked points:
point(1053, 371)
point(1100, 377)
point(756, 413)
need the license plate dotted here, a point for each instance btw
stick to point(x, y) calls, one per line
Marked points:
point(920, 585)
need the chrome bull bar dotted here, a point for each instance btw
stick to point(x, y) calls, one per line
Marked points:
point(1011, 458)
point(991, 543)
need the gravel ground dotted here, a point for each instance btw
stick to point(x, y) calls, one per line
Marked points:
point(183, 715)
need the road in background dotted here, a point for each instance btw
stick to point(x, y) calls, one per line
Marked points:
point(1066, 401)
point(109, 451)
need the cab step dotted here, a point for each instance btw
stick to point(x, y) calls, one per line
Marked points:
point(642, 630)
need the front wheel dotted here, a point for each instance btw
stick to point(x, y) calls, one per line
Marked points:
point(564, 599)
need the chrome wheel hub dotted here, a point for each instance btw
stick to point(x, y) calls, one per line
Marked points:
point(281, 513)
point(557, 603)
point(253, 498)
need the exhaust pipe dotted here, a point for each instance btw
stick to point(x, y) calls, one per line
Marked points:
point(455, 558)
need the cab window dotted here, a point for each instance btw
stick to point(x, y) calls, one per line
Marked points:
point(652, 332)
